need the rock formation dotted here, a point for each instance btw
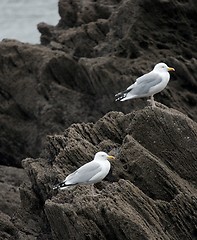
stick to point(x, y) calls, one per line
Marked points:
point(97, 49)
point(149, 194)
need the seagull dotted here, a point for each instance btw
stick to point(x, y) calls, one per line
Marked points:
point(90, 173)
point(148, 84)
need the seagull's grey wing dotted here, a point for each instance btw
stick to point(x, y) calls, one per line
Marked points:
point(145, 82)
point(148, 78)
point(84, 173)
point(141, 86)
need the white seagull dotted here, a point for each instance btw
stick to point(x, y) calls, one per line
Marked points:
point(148, 84)
point(90, 173)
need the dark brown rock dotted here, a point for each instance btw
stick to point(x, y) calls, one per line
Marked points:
point(150, 192)
point(7, 229)
point(10, 180)
point(97, 49)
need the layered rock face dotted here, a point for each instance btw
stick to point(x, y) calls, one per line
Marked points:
point(97, 49)
point(150, 192)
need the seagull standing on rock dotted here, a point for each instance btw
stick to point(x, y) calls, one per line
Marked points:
point(90, 173)
point(148, 84)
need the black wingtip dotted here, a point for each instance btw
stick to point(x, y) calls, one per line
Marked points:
point(59, 186)
point(117, 99)
point(119, 96)
point(56, 187)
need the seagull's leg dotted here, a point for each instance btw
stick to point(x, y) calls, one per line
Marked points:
point(93, 191)
point(152, 101)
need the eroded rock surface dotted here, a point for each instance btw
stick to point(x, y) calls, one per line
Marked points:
point(97, 49)
point(150, 192)
point(10, 180)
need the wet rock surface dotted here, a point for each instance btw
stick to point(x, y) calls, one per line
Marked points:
point(97, 49)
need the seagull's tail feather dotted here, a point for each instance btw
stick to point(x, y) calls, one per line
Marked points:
point(121, 95)
point(62, 186)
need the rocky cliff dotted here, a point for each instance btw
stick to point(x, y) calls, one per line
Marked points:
point(97, 49)
point(150, 192)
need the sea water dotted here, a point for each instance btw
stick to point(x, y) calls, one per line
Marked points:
point(19, 18)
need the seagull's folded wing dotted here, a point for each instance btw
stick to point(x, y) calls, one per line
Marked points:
point(144, 83)
point(84, 173)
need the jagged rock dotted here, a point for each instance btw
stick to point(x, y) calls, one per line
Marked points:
point(7, 228)
point(96, 50)
point(150, 192)
point(10, 180)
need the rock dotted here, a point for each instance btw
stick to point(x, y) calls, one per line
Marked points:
point(7, 228)
point(96, 50)
point(173, 127)
point(19, 220)
point(68, 82)
point(150, 192)
point(10, 180)
point(28, 98)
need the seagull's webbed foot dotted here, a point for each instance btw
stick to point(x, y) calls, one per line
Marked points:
point(94, 194)
point(151, 100)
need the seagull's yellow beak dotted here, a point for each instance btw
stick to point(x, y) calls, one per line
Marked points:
point(111, 157)
point(171, 69)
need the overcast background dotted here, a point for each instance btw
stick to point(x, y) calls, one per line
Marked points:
point(19, 18)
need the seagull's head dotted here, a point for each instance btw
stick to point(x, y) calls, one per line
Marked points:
point(102, 156)
point(162, 67)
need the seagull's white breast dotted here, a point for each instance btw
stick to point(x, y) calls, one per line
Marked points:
point(159, 87)
point(105, 167)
